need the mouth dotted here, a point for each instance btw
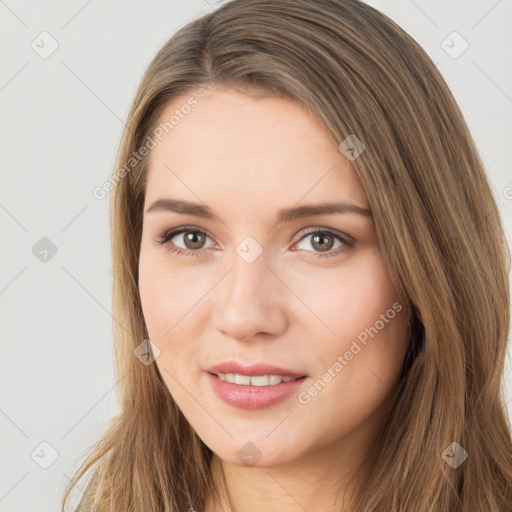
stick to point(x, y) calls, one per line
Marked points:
point(254, 391)
point(255, 380)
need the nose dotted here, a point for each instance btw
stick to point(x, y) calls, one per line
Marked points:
point(251, 301)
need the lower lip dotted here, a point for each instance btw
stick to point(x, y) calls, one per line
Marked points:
point(253, 397)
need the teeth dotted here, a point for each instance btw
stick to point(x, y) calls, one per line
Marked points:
point(257, 380)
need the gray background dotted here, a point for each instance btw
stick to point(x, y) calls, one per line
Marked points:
point(61, 122)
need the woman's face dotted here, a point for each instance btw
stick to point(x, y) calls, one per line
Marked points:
point(308, 294)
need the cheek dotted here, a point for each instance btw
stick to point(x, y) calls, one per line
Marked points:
point(358, 357)
point(359, 317)
point(169, 297)
point(172, 302)
point(348, 299)
point(154, 293)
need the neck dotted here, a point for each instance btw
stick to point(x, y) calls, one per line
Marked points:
point(320, 482)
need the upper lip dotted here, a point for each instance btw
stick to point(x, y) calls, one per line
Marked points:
point(252, 369)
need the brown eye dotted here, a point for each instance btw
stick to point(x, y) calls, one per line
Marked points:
point(194, 239)
point(187, 240)
point(323, 243)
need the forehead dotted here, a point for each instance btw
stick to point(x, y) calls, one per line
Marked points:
point(230, 144)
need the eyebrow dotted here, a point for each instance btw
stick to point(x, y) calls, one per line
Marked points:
point(283, 215)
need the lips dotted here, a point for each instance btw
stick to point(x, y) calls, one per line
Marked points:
point(254, 397)
point(252, 369)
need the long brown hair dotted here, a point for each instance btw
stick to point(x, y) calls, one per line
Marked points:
point(439, 232)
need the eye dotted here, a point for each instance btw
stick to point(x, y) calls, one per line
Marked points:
point(194, 240)
point(323, 240)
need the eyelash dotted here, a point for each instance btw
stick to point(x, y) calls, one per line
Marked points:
point(348, 243)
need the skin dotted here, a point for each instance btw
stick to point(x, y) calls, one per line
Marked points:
point(246, 158)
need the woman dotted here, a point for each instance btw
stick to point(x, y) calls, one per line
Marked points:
point(310, 277)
